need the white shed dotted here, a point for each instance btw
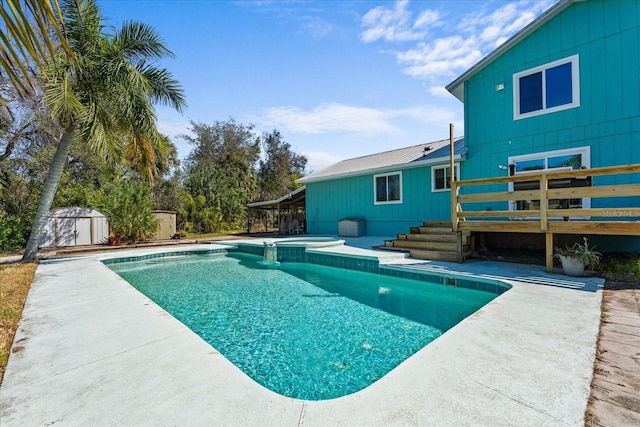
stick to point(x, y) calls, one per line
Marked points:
point(75, 226)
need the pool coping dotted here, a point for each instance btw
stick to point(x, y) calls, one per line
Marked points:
point(93, 350)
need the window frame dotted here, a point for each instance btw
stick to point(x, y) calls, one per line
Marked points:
point(447, 186)
point(375, 188)
point(574, 60)
point(584, 151)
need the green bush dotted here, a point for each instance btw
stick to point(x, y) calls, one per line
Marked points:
point(129, 207)
point(620, 264)
point(12, 234)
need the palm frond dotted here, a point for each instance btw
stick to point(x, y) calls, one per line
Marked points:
point(139, 41)
point(62, 100)
point(164, 88)
point(32, 35)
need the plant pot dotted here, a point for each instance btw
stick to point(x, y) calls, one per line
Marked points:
point(115, 240)
point(572, 266)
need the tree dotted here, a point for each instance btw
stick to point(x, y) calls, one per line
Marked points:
point(101, 94)
point(221, 167)
point(280, 168)
point(28, 42)
point(129, 207)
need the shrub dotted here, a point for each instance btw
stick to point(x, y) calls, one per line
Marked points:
point(12, 232)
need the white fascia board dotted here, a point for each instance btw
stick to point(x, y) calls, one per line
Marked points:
point(382, 169)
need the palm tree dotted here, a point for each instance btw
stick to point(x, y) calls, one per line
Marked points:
point(26, 40)
point(103, 95)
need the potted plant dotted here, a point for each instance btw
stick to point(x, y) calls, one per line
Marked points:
point(575, 258)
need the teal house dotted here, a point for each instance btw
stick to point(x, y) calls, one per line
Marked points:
point(388, 192)
point(562, 94)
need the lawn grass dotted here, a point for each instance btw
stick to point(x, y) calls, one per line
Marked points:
point(15, 282)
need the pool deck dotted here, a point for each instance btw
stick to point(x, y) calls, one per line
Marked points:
point(91, 350)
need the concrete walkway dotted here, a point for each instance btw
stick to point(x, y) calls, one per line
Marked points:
point(91, 350)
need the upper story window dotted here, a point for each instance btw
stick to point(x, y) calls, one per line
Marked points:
point(441, 177)
point(547, 88)
point(388, 188)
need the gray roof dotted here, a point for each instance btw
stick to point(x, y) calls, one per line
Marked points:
point(456, 87)
point(402, 158)
point(276, 202)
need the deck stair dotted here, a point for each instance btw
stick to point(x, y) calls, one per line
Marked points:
point(433, 240)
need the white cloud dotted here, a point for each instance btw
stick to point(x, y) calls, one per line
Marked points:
point(442, 58)
point(317, 27)
point(490, 26)
point(173, 128)
point(475, 34)
point(427, 19)
point(395, 24)
point(330, 118)
point(439, 91)
point(363, 121)
point(318, 160)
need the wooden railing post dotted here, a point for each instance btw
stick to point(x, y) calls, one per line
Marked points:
point(554, 185)
point(544, 203)
point(454, 205)
point(549, 252)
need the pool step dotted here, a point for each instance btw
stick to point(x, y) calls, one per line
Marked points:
point(433, 240)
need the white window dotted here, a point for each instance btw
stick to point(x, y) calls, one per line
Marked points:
point(546, 89)
point(441, 177)
point(569, 159)
point(388, 188)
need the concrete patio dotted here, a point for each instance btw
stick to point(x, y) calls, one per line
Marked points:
point(91, 350)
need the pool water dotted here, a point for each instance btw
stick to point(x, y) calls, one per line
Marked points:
point(302, 330)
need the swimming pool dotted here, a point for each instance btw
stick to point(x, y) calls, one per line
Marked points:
point(302, 330)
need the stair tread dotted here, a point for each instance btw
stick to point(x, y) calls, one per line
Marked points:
point(432, 240)
point(391, 248)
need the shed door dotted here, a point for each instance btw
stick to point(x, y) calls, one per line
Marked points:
point(83, 231)
point(66, 232)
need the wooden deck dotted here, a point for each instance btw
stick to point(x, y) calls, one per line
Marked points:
point(616, 221)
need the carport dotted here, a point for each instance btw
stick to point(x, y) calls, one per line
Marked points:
point(287, 214)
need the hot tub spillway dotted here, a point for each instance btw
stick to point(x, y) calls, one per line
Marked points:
point(270, 254)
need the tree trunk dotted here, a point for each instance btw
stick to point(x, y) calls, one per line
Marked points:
point(48, 193)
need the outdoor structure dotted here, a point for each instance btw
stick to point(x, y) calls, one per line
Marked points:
point(389, 191)
point(166, 224)
point(288, 212)
point(75, 226)
point(555, 111)
point(550, 153)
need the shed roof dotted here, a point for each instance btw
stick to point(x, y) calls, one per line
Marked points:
point(456, 87)
point(74, 212)
point(416, 155)
point(295, 197)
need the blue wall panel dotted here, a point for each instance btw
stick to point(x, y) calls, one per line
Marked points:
point(606, 35)
point(330, 201)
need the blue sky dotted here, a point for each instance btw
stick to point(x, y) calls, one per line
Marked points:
point(338, 78)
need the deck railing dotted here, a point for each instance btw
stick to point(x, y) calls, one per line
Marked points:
point(546, 220)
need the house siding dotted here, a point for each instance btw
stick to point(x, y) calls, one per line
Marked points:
point(353, 197)
point(605, 35)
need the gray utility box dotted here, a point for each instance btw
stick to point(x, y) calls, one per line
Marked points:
point(351, 227)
